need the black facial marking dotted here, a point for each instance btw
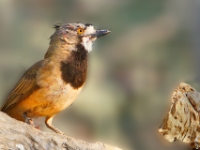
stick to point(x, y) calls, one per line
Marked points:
point(74, 69)
point(88, 24)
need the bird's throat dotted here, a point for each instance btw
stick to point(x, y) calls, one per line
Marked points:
point(87, 43)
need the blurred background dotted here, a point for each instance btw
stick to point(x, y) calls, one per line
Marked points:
point(154, 45)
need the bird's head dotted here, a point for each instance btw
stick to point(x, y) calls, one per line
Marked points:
point(74, 34)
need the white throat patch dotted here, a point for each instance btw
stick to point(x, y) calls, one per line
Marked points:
point(87, 43)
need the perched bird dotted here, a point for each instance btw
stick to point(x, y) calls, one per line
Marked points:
point(52, 84)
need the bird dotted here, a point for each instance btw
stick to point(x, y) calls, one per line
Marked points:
point(53, 83)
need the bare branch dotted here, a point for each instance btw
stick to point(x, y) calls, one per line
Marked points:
point(16, 135)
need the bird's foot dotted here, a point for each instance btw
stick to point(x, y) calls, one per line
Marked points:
point(30, 121)
point(61, 133)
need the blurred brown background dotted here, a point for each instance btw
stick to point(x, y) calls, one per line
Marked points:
point(154, 45)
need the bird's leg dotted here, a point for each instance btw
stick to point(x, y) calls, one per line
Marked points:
point(48, 123)
point(29, 120)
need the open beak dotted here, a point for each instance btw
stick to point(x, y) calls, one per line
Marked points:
point(100, 33)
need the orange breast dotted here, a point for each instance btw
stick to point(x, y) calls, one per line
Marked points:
point(44, 102)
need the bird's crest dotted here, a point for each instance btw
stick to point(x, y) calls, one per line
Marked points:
point(57, 26)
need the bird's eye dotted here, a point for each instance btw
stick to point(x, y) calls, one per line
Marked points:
point(80, 31)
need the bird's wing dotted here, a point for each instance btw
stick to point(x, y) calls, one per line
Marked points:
point(26, 85)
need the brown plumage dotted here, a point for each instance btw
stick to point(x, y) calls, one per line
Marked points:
point(53, 83)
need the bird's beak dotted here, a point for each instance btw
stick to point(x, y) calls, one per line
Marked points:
point(100, 33)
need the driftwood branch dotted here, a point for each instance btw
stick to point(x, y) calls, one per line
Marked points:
point(16, 135)
point(183, 119)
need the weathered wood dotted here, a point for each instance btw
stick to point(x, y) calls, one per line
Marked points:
point(16, 135)
point(183, 119)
